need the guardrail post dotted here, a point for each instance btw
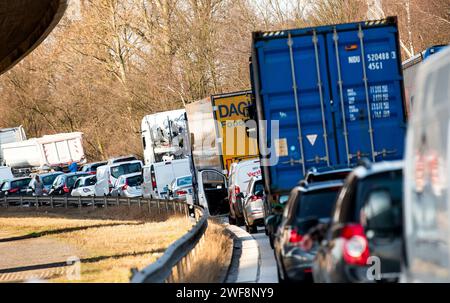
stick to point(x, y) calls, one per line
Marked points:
point(157, 205)
point(79, 202)
point(5, 201)
point(149, 207)
point(65, 201)
point(118, 201)
point(167, 206)
point(93, 201)
point(21, 201)
point(105, 201)
point(129, 202)
point(36, 200)
point(139, 202)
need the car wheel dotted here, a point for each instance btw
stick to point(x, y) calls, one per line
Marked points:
point(271, 240)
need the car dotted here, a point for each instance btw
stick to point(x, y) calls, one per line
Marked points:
point(238, 178)
point(273, 220)
point(107, 175)
point(366, 227)
point(122, 159)
point(326, 174)
point(64, 183)
point(84, 187)
point(180, 187)
point(92, 167)
point(129, 186)
point(14, 187)
point(308, 205)
point(46, 178)
point(253, 206)
point(5, 173)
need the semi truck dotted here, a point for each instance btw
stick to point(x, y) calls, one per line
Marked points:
point(219, 136)
point(164, 136)
point(44, 153)
point(326, 96)
point(410, 68)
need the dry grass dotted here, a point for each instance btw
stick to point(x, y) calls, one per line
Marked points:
point(109, 241)
point(213, 257)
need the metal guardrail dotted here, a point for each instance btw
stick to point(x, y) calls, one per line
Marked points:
point(178, 257)
point(176, 261)
point(176, 206)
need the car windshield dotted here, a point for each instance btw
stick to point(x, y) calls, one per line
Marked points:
point(125, 169)
point(48, 180)
point(184, 181)
point(23, 183)
point(391, 181)
point(92, 167)
point(134, 181)
point(318, 203)
point(90, 181)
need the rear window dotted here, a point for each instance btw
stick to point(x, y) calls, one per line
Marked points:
point(134, 181)
point(184, 181)
point(48, 180)
point(327, 177)
point(259, 186)
point(92, 167)
point(125, 169)
point(23, 183)
point(90, 181)
point(390, 181)
point(318, 204)
point(245, 173)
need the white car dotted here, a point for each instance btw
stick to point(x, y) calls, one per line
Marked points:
point(238, 179)
point(253, 205)
point(129, 186)
point(84, 187)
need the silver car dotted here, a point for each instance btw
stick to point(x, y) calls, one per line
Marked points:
point(129, 186)
point(180, 187)
point(253, 205)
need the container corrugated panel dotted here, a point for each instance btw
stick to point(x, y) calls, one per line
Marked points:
point(320, 84)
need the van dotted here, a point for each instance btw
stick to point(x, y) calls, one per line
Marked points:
point(158, 176)
point(426, 187)
point(107, 175)
point(238, 179)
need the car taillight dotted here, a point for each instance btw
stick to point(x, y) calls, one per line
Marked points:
point(295, 237)
point(125, 186)
point(65, 189)
point(356, 246)
point(253, 198)
point(237, 189)
point(13, 190)
point(181, 192)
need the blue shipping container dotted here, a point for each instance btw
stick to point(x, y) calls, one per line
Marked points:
point(320, 84)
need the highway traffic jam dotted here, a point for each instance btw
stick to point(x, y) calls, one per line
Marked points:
point(338, 150)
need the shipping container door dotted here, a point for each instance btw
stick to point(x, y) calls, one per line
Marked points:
point(373, 123)
point(294, 92)
point(75, 149)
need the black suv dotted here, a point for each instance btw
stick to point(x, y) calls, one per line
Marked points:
point(307, 207)
point(365, 233)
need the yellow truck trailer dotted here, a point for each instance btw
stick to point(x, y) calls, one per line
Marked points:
point(219, 130)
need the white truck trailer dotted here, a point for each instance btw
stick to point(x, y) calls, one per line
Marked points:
point(11, 135)
point(45, 152)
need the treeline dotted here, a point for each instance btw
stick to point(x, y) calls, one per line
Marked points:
point(110, 62)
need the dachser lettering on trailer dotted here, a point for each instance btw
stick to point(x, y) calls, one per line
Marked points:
point(239, 109)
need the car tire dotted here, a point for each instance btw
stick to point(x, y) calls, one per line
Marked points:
point(231, 220)
point(271, 241)
point(266, 231)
